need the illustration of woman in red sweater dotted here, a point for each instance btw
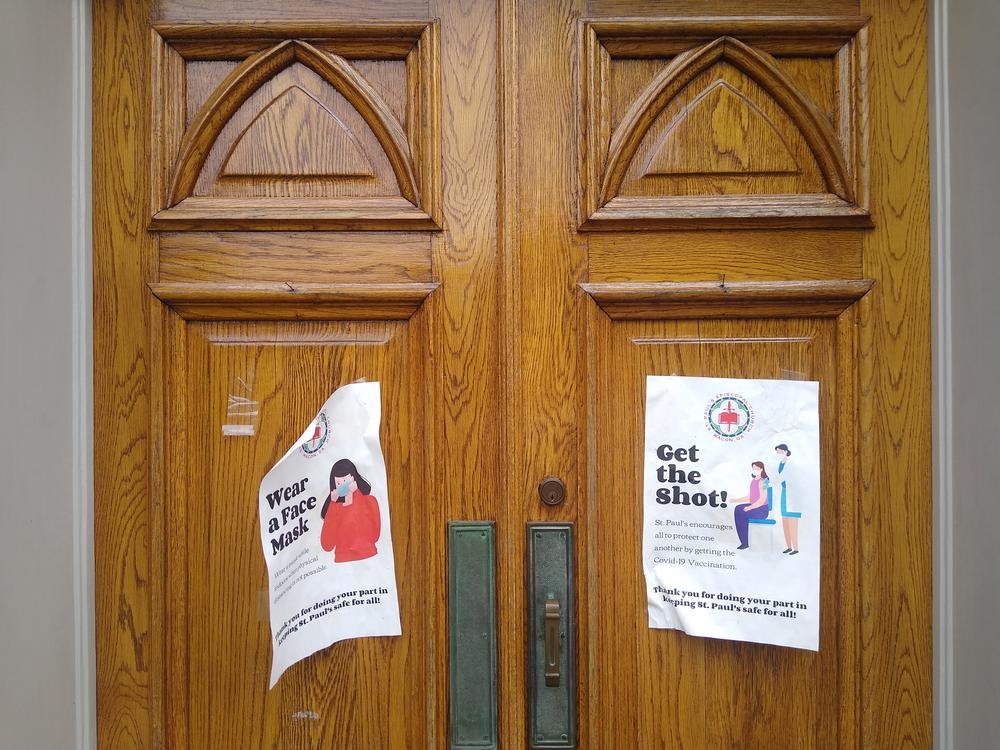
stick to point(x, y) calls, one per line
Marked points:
point(351, 521)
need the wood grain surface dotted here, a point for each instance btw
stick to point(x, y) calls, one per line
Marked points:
point(703, 255)
point(295, 257)
point(297, 135)
point(337, 699)
point(737, 299)
point(684, 68)
point(715, 693)
point(245, 79)
point(282, 214)
point(464, 405)
point(547, 337)
point(269, 125)
point(129, 664)
point(708, 122)
point(200, 301)
point(530, 244)
point(894, 410)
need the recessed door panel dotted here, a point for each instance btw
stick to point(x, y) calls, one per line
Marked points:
point(722, 693)
point(240, 395)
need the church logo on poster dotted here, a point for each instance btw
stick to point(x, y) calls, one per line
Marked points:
point(729, 416)
point(321, 431)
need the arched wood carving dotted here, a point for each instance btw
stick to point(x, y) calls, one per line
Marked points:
point(723, 123)
point(296, 135)
point(760, 67)
point(254, 72)
point(758, 147)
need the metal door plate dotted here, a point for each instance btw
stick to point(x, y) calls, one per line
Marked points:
point(472, 635)
point(551, 710)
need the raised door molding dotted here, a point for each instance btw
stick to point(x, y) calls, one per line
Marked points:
point(194, 301)
point(723, 122)
point(673, 300)
point(284, 126)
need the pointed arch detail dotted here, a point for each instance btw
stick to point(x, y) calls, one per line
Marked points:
point(814, 126)
point(331, 148)
point(776, 157)
point(256, 70)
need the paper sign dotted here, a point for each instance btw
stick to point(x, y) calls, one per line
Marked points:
point(324, 524)
point(731, 508)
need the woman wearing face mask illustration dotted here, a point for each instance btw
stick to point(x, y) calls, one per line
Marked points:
point(351, 521)
point(754, 505)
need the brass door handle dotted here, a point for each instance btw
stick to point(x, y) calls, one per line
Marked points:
point(551, 667)
point(553, 623)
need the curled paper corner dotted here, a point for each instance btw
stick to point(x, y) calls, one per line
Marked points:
point(657, 602)
point(673, 614)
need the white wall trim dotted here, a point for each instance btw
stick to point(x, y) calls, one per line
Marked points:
point(944, 604)
point(82, 418)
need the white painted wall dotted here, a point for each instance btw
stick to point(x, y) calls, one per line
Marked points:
point(968, 350)
point(44, 379)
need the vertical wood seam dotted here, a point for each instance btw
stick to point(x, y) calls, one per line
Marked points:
point(510, 720)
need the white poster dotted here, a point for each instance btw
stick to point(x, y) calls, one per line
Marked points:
point(731, 508)
point(324, 525)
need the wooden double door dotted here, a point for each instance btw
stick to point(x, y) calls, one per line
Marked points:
point(508, 213)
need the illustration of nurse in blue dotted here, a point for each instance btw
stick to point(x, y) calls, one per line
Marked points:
point(791, 510)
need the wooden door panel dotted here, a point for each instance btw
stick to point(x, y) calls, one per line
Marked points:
point(287, 127)
point(216, 583)
point(718, 693)
point(281, 125)
point(722, 245)
point(278, 257)
point(305, 192)
point(724, 255)
point(767, 155)
point(731, 8)
point(286, 10)
point(722, 122)
point(297, 124)
point(293, 267)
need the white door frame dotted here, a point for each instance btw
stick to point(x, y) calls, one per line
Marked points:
point(82, 421)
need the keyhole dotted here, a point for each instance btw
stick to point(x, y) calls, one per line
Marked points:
point(552, 491)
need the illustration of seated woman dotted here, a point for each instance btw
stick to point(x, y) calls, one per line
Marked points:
point(754, 505)
point(351, 521)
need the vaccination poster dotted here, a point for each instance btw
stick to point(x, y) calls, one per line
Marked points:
point(731, 508)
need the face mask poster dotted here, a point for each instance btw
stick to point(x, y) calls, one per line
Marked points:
point(731, 508)
point(324, 524)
